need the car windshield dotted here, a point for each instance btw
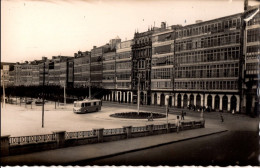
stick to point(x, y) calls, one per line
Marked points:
point(77, 104)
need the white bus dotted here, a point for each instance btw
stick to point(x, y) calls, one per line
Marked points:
point(87, 105)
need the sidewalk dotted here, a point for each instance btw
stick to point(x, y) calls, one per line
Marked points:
point(74, 155)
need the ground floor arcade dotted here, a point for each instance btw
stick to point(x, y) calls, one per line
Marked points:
point(218, 102)
point(214, 101)
point(123, 96)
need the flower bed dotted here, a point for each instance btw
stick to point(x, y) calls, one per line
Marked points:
point(135, 115)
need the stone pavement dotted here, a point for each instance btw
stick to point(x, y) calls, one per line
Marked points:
point(78, 154)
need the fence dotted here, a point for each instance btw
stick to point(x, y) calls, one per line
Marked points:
point(80, 134)
point(32, 139)
point(27, 144)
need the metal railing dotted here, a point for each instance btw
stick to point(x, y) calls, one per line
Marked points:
point(186, 124)
point(172, 125)
point(79, 134)
point(197, 123)
point(139, 129)
point(32, 139)
point(159, 127)
point(113, 131)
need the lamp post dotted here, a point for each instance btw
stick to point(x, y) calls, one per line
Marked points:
point(3, 90)
point(64, 93)
point(167, 107)
point(89, 89)
point(89, 86)
point(138, 94)
point(43, 82)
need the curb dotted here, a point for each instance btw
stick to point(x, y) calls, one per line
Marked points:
point(139, 149)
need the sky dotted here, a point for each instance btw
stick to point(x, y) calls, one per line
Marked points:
point(31, 29)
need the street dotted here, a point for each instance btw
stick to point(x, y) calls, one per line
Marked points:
point(238, 146)
point(229, 148)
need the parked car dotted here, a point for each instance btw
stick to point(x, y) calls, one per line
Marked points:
point(38, 102)
point(29, 101)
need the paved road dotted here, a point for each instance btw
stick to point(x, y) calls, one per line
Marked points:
point(229, 148)
point(238, 146)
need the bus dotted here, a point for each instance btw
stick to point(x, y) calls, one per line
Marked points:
point(87, 105)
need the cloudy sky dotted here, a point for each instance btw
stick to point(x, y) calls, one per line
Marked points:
point(31, 29)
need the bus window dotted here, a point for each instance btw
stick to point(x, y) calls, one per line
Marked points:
point(78, 105)
point(95, 103)
point(87, 104)
point(82, 104)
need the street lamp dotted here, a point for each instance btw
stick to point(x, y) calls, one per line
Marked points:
point(167, 107)
point(64, 93)
point(138, 94)
point(43, 82)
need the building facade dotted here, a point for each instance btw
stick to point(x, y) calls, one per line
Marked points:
point(109, 70)
point(162, 65)
point(207, 64)
point(123, 91)
point(25, 74)
point(96, 64)
point(7, 74)
point(82, 69)
point(250, 74)
point(44, 66)
point(141, 66)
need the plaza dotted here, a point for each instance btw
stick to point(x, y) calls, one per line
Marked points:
point(26, 120)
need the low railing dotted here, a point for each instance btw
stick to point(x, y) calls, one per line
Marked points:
point(139, 129)
point(172, 125)
point(159, 127)
point(32, 139)
point(197, 123)
point(79, 134)
point(113, 131)
point(186, 124)
point(59, 139)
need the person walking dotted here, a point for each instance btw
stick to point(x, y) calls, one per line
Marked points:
point(182, 115)
point(221, 117)
point(178, 124)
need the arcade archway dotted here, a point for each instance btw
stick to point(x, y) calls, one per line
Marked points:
point(155, 99)
point(162, 100)
point(224, 103)
point(185, 101)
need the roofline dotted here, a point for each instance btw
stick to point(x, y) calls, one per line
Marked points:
point(203, 22)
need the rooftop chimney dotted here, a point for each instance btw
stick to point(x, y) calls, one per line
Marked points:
point(163, 25)
point(245, 5)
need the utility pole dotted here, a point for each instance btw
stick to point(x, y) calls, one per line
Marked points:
point(138, 94)
point(89, 90)
point(64, 93)
point(43, 82)
point(167, 107)
point(3, 90)
point(89, 82)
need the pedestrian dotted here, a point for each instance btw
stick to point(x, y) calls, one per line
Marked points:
point(177, 124)
point(221, 117)
point(182, 115)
